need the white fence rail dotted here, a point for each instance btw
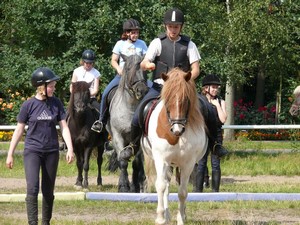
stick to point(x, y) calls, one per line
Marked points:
point(13, 127)
point(266, 127)
point(235, 127)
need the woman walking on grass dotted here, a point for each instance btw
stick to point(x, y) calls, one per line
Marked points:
point(41, 151)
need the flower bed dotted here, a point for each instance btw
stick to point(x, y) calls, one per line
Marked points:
point(270, 135)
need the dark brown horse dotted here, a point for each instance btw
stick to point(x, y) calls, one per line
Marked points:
point(81, 117)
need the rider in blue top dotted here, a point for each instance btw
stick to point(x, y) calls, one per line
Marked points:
point(128, 45)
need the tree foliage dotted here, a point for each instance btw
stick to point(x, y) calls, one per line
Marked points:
point(254, 36)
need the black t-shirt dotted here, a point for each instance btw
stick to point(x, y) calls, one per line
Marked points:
point(41, 118)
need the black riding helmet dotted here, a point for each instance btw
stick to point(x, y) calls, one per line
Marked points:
point(211, 79)
point(43, 75)
point(174, 16)
point(131, 24)
point(88, 56)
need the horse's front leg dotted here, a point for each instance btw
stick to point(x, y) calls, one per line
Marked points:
point(162, 189)
point(86, 167)
point(138, 173)
point(123, 179)
point(79, 164)
point(182, 195)
point(99, 164)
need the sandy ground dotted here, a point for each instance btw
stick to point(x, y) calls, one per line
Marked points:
point(288, 216)
point(12, 183)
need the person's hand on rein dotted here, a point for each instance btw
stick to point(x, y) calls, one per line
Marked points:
point(150, 66)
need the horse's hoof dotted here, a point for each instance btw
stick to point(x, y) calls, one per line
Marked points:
point(85, 189)
point(160, 222)
point(77, 187)
point(124, 189)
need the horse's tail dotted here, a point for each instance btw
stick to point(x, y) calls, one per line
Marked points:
point(150, 173)
point(113, 163)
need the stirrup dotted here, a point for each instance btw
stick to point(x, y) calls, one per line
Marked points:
point(97, 126)
point(219, 151)
point(127, 152)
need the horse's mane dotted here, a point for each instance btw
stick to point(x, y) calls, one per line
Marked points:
point(132, 64)
point(79, 86)
point(176, 85)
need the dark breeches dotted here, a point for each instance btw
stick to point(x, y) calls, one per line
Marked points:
point(47, 163)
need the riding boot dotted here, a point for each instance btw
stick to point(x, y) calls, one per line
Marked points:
point(216, 179)
point(134, 145)
point(47, 207)
point(199, 182)
point(32, 209)
point(219, 150)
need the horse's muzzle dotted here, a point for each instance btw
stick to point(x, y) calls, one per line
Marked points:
point(177, 129)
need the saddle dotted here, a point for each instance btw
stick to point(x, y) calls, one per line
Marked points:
point(145, 112)
point(110, 95)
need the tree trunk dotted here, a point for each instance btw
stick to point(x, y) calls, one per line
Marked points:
point(229, 100)
point(260, 88)
point(229, 96)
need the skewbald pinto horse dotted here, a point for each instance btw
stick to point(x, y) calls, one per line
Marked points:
point(176, 137)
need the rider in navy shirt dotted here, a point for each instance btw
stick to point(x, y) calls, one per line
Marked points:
point(41, 113)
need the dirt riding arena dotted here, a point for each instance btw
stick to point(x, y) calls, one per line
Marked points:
point(287, 216)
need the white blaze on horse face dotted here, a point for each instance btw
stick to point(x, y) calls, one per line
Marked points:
point(178, 128)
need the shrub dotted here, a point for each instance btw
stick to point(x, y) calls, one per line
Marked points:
point(246, 114)
point(9, 107)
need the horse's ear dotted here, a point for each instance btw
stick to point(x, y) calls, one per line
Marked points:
point(188, 76)
point(125, 57)
point(164, 76)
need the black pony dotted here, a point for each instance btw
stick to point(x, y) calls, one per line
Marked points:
point(84, 140)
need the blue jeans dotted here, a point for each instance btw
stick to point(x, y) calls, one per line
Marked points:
point(103, 106)
point(113, 83)
point(215, 160)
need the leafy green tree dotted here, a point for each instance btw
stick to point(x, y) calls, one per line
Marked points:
point(249, 41)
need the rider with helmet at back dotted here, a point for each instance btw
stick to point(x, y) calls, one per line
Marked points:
point(41, 151)
point(209, 96)
point(129, 44)
point(87, 72)
point(167, 51)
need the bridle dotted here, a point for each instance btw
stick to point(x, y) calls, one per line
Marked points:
point(180, 121)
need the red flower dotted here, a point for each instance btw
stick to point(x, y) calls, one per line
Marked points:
point(262, 108)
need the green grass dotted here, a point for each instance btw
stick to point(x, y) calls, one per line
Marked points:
point(244, 144)
point(241, 144)
point(238, 162)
